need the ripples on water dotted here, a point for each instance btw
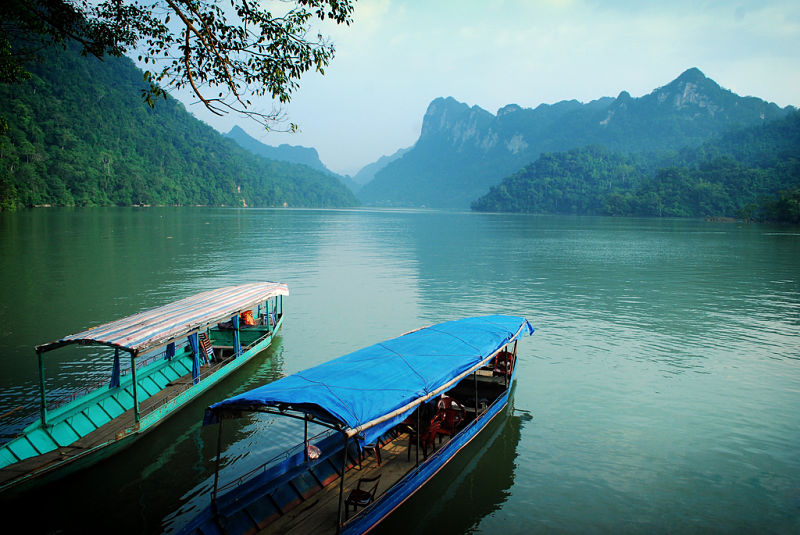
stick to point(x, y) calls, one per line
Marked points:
point(663, 377)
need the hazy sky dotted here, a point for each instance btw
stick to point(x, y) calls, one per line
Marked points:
point(398, 55)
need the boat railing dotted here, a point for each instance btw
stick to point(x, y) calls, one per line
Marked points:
point(258, 340)
point(142, 362)
point(205, 372)
point(279, 458)
point(145, 409)
point(66, 399)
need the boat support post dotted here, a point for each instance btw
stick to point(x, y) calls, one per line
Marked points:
point(216, 463)
point(341, 485)
point(418, 433)
point(271, 309)
point(305, 439)
point(237, 340)
point(513, 359)
point(475, 381)
point(135, 393)
point(43, 408)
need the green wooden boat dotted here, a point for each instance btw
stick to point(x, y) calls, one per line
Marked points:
point(175, 352)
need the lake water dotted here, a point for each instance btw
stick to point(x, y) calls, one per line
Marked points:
point(663, 379)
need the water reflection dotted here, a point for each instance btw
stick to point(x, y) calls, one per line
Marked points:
point(63, 270)
point(132, 491)
point(669, 292)
point(471, 487)
point(665, 357)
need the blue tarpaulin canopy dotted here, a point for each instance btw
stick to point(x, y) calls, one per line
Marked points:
point(369, 391)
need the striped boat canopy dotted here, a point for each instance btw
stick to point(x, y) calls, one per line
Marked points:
point(159, 326)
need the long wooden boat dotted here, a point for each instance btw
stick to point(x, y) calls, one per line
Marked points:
point(176, 352)
point(391, 415)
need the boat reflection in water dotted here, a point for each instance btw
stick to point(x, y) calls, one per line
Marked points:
point(176, 352)
point(473, 486)
point(378, 425)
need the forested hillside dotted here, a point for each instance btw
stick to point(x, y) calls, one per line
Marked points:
point(748, 173)
point(79, 134)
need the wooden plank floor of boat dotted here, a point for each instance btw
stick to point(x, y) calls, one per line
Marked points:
point(103, 434)
point(325, 503)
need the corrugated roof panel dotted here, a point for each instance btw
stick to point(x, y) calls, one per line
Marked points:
point(158, 326)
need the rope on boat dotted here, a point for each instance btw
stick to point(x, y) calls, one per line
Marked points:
point(526, 414)
point(9, 413)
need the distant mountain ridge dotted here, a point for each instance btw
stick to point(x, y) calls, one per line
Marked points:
point(462, 150)
point(287, 153)
point(741, 174)
point(283, 153)
point(367, 173)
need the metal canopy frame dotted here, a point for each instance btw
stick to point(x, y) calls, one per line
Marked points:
point(178, 330)
point(348, 433)
point(276, 291)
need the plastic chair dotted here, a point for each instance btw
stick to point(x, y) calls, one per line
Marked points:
point(362, 497)
point(451, 419)
point(208, 348)
point(503, 364)
point(375, 448)
point(426, 438)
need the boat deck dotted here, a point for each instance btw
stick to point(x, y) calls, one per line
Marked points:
point(116, 429)
point(304, 506)
point(94, 421)
point(325, 503)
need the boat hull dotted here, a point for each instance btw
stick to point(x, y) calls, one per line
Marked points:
point(403, 490)
point(14, 479)
point(371, 403)
point(234, 512)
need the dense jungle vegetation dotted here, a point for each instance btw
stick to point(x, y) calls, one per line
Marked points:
point(749, 173)
point(77, 133)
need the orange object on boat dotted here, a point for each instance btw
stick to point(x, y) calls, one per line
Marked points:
point(247, 317)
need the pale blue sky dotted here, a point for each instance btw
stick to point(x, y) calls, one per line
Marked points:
point(397, 56)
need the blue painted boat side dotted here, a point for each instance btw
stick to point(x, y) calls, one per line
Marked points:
point(268, 486)
point(266, 498)
point(399, 493)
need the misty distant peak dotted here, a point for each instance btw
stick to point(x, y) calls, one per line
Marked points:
point(693, 75)
point(448, 114)
point(367, 173)
point(284, 152)
point(464, 150)
point(509, 108)
point(440, 104)
point(692, 89)
point(237, 133)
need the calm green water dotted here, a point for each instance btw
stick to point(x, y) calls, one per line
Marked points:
point(663, 379)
